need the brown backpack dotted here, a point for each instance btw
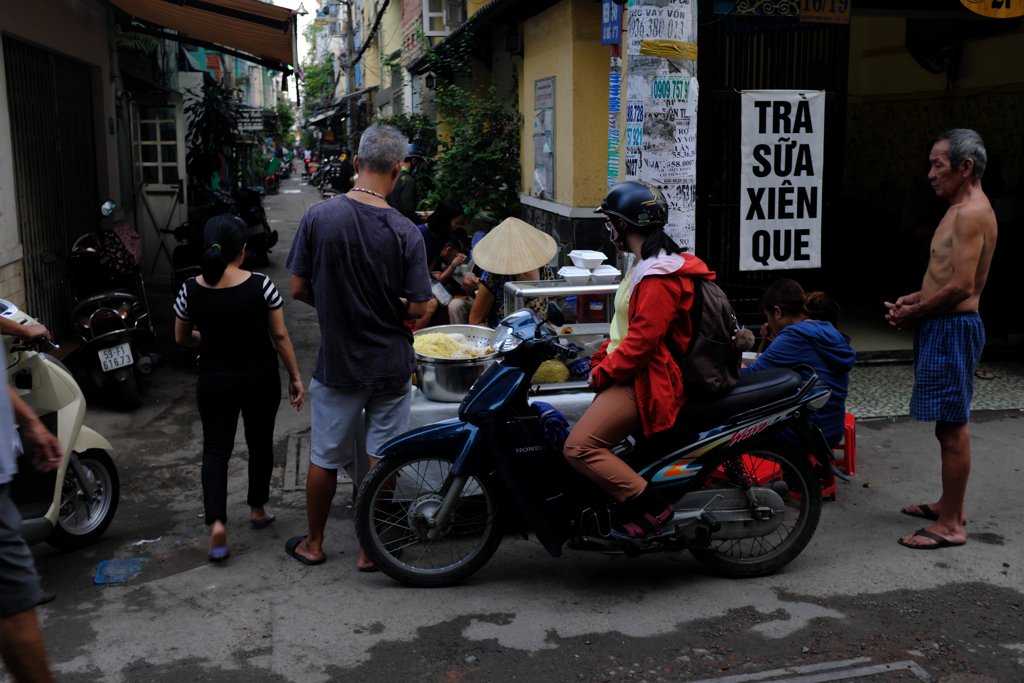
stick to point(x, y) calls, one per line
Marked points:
point(711, 362)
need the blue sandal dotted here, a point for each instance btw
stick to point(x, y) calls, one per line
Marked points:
point(263, 523)
point(219, 554)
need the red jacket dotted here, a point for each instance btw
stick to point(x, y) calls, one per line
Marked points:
point(659, 310)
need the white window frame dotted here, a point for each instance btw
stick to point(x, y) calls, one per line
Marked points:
point(428, 15)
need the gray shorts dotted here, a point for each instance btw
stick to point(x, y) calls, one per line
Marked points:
point(349, 425)
point(19, 584)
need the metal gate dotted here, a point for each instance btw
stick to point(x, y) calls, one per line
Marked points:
point(759, 53)
point(54, 158)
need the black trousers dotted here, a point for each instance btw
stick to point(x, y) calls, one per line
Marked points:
point(221, 396)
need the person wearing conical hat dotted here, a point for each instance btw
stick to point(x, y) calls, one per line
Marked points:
point(513, 251)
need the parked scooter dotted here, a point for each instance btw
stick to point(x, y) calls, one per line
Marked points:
point(244, 203)
point(433, 510)
point(73, 505)
point(111, 315)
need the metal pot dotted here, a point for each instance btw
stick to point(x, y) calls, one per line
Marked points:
point(448, 380)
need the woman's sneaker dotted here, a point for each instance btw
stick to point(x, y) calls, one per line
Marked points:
point(647, 512)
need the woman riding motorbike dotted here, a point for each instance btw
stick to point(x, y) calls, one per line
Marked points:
point(639, 383)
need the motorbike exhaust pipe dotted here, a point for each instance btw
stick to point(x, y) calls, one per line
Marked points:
point(145, 365)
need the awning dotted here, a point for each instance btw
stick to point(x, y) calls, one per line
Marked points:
point(251, 26)
point(313, 120)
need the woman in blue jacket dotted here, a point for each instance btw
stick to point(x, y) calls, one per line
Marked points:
point(800, 336)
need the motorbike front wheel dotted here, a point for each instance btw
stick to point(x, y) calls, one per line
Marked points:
point(781, 468)
point(396, 502)
point(81, 522)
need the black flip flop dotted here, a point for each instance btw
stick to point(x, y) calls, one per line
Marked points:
point(940, 542)
point(293, 543)
point(926, 512)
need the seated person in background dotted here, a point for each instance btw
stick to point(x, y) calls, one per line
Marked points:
point(801, 336)
point(453, 311)
point(513, 251)
point(437, 231)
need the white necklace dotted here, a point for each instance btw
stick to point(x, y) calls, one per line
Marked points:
point(360, 189)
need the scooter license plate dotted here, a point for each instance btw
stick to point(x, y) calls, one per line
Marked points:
point(116, 357)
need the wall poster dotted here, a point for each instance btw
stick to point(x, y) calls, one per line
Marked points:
point(614, 117)
point(660, 136)
point(782, 142)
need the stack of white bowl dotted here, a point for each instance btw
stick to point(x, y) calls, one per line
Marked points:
point(588, 264)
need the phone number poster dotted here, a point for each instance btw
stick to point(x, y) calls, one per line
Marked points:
point(782, 144)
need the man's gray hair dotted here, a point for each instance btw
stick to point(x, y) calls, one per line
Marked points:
point(964, 143)
point(381, 148)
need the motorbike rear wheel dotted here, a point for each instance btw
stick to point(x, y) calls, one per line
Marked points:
point(392, 527)
point(762, 555)
point(81, 522)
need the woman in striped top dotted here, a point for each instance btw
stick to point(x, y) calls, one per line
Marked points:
point(235, 319)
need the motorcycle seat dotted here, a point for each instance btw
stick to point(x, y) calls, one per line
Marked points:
point(753, 390)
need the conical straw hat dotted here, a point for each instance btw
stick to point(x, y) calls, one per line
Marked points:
point(514, 247)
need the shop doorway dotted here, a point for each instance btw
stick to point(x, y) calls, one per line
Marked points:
point(54, 157)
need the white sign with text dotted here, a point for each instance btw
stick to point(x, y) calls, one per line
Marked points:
point(782, 143)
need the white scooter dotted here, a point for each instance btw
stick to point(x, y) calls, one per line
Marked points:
point(72, 506)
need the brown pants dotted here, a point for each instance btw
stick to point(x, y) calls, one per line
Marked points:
point(610, 418)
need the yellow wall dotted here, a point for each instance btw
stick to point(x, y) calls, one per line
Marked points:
point(592, 63)
point(565, 42)
point(390, 37)
point(472, 6)
point(986, 63)
point(371, 58)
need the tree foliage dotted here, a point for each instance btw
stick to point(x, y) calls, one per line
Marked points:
point(478, 134)
point(319, 85)
point(423, 132)
point(213, 126)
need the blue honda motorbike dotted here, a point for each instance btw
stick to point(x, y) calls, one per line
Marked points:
point(434, 509)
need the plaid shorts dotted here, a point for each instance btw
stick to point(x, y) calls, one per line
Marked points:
point(947, 349)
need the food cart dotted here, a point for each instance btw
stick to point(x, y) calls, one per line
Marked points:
point(589, 309)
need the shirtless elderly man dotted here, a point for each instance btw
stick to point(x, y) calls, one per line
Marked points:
point(950, 335)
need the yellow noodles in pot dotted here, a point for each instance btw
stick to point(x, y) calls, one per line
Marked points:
point(441, 345)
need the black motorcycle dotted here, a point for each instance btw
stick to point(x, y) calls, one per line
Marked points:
point(435, 507)
point(244, 203)
point(111, 319)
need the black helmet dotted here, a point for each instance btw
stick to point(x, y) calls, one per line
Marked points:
point(638, 203)
point(415, 151)
point(346, 151)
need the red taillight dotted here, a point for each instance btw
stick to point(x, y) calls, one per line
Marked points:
point(106, 321)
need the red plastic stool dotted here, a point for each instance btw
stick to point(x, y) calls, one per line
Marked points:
point(849, 446)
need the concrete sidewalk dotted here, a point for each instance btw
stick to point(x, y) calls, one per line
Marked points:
point(854, 592)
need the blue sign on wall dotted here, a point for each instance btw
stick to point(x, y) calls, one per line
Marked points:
point(611, 23)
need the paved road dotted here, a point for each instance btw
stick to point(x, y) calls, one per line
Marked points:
point(854, 597)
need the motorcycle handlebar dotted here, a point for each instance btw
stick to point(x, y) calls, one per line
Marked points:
point(566, 351)
point(43, 342)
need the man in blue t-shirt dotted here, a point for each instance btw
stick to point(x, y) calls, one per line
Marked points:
point(363, 266)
